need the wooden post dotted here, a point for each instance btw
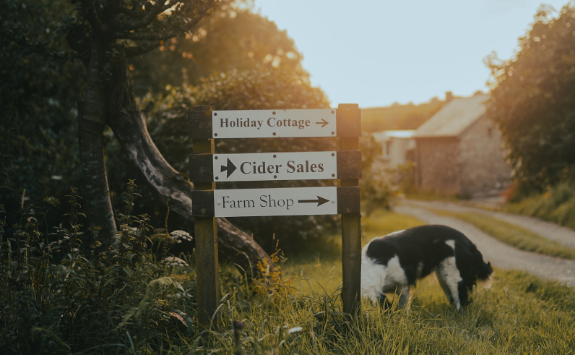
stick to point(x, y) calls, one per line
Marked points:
point(206, 233)
point(350, 222)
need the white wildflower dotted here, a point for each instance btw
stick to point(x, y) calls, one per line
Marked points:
point(181, 236)
point(175, 262)
point(295, 330)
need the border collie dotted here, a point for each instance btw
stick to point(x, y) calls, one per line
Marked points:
point(393, 263)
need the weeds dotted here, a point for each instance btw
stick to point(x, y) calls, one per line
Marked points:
point(556, 205)
point(59, 296)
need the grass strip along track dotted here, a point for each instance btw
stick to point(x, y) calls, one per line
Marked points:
point(513, 235)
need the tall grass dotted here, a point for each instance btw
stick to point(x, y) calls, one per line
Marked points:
point(556, 205)
point(124, 301)
point(519, 314)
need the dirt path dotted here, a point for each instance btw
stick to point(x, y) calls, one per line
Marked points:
point(498, 253)
point(548, 230)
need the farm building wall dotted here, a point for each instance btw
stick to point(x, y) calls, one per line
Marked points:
point(483, 169)
point(437, 166)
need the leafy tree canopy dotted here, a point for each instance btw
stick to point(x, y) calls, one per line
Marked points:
point(532, 99)
point(233, 38)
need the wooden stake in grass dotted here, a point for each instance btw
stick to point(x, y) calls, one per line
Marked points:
point(206, 242)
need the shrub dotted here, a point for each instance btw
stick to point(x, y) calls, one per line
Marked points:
point(61, 294)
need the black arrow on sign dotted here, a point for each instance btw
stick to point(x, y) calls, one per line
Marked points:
point(323, 122)
point(320, 201)
point(230, 168)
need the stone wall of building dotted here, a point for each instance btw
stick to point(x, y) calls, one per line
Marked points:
point(483, 169)
point(437, 164)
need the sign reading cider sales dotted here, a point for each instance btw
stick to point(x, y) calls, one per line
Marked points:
point(275, 166)
point(325, 165)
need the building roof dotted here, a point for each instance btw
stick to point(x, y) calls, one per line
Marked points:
point(454, 117)
point(386, 135)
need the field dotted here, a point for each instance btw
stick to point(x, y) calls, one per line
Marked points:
point(148, 308)
point(519, 314)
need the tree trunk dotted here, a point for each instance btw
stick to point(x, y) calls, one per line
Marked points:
point(138, 149)
point(91, 119)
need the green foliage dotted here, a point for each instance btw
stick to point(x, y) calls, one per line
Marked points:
point(375, 187)
point(556, 204)
point(532, 99)
point(396, 116)
point(234, 37)
point(39, 92)
point(234, 59)
point(60, 296)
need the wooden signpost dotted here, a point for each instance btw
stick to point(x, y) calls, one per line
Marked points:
point(206, 167)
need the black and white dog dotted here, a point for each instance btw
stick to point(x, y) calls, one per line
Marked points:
point(393, 263)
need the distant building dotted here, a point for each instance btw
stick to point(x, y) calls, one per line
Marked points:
point(397, 147)
point(458, 151)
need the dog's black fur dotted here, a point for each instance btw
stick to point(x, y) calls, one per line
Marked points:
point(419, 252)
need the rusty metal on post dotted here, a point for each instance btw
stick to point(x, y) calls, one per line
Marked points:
point(206, 232)
point(350, 115)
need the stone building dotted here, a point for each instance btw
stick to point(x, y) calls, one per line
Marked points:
point(396, 148)
point(458, 151)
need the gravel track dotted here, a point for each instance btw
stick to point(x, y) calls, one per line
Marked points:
point(547, 230)
point(500, 254)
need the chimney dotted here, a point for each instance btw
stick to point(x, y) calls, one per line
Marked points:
point(448, 96)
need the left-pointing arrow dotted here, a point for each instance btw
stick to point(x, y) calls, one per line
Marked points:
point(320, 201)
point(230, 168)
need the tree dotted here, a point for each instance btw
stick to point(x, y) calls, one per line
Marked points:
point(532, 99)
point(103, 34)
point(232, 38)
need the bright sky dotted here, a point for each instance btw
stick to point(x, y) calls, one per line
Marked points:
point(376, 52)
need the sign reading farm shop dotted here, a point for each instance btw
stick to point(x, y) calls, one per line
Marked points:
point(293, 201)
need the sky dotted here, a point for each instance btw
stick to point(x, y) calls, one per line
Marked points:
point(377, 52)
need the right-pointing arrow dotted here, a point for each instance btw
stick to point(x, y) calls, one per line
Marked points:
point(320, 201)
point(323, 122)
point(230, 168)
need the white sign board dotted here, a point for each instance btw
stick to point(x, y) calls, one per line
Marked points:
point(275, 166)
point(274, 123)
point(276, 202)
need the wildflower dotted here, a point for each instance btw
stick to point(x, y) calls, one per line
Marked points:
point(180, 236)
point(174, 261)
point(295, 330)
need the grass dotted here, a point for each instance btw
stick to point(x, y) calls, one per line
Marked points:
point(513, 235)
point(423, 195)
point(519, 314)
point(122, 312)
point(557, 205)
